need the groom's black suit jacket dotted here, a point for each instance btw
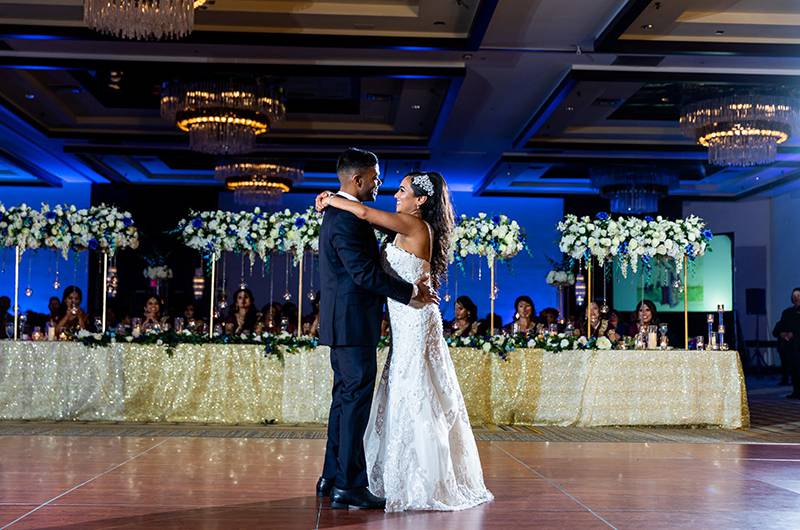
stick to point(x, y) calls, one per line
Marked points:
point(354, 287)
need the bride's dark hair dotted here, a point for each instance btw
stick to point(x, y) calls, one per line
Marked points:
point(437, 211)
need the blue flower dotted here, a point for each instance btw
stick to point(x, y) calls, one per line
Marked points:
point(646, 259)
point(197, 222)
point(623, 247)
point(50, 216)
point(707, 234)
point(496, 219)
point(300, 222)
point(648, 218)
point(128, 222)
point(602, 216)
point(689, 249)
point(93, 244)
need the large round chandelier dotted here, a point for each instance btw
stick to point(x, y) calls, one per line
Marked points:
point(222, 117)
point(255, 183)
point(141, 19)
point(740, 130)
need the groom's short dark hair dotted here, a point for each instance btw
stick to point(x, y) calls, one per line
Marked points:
point(354, 160)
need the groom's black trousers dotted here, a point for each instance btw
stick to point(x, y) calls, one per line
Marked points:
point(354, 370)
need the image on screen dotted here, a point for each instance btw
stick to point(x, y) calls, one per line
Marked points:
point(710, 282)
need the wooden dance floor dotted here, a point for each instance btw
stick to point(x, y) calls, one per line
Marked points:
point(128, 482)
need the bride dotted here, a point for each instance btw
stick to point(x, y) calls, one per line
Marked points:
point(420, 451)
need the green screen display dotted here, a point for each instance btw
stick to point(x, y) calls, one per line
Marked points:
point(710, 282)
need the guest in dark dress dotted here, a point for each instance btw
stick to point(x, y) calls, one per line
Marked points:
point(524, 316)
point(465, 322)
point(244, 317)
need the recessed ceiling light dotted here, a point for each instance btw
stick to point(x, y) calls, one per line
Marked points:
point(647, 26)
point(416, 107)
point(720, 32)
point(665, 100)
point(30, 96)
point(570, 108)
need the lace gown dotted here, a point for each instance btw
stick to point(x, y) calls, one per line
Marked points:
point(420, 451)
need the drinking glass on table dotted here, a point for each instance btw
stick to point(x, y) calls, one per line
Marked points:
point(663, 329)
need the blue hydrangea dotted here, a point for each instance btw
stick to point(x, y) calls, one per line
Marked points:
point(648, 218)
point(496, 219)
point(300, 222)
point(50, 216)
point(197, 222)
point(127, 221)
point(707, 234)
point(93, 244)
point(602, 216)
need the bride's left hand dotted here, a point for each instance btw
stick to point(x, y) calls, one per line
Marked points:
point(322, 200)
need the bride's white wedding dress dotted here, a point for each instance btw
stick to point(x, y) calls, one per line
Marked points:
point(420, 451)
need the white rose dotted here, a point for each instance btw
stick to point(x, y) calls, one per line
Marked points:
point(603, 343)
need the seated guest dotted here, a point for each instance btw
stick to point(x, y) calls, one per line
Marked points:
point(547, 318)
point(486, 325)
point(152, 318)
point(646, 315)
point(465, 322)
point(598, 325)
point(787, 331)
point(288, 321)
point(72, 318)
point(190, 318)
point(271, 317)
point(524, 316)
point(311, 321)
point(243, 318)
point(616, 327)
point(5, 316)
point(54, 311)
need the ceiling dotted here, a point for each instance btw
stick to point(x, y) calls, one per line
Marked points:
point(505, 98)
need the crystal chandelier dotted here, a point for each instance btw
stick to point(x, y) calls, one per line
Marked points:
point(257, 184)
point(740, 130)
point(633, 189)
point(222, 117)
point(141, 19)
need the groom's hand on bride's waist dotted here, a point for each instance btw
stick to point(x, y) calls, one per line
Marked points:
point(423, 294)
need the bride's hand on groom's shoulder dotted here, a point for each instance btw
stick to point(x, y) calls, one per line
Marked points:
point(322, 200)
point(425, 295)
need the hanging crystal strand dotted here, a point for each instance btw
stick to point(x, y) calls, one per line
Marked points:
point(75, 260)
point(287, 295)
point(3, 265)
point(270, 323)
point(312, 294)
point(223, 297)
point(446, 286)
point(28, 290)
point(242, 282)
point(480, 268)
point(604, 307)
point(56, 281)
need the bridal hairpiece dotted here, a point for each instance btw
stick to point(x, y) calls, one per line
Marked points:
point(423, 181)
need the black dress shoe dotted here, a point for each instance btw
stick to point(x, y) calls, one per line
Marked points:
point(324, 486)
point(358, 498)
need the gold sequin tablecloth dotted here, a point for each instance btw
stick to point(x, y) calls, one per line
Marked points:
point(238, 384)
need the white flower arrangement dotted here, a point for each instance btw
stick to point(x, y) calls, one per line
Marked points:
point(158, 272)
point(298, 232)
point(21, 226)
point(496, 237)
point(107, 228)
point(218, 231)
point(560, 278)
point(632, 240)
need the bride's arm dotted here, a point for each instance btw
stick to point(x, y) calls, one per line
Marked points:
point(399, 223)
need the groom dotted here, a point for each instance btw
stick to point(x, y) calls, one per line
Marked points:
point(354, 289)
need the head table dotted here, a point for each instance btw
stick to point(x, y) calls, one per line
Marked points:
point(235, 384)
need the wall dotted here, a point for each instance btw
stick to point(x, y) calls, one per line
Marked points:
point(37, 269)
point(785, 250)
point(523, 275)
point(751, 224)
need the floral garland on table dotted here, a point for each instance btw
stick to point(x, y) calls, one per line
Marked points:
point(298, 232)
point(496, 237)
point(274, 344)
point(503, 344)
point(632, 239)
